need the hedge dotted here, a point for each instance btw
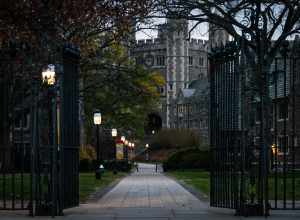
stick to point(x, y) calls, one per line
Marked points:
point(191, 158)
point(175, 139)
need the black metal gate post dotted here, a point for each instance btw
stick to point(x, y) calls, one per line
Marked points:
point(70, 142)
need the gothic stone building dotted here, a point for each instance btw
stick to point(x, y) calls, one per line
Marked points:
point(191, 108)
point(179, 60)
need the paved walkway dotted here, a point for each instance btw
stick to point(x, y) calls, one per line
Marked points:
point(150, 189)
point(149, 195)
point(146, 194)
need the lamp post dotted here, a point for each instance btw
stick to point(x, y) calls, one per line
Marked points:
point(126, 142)
point(123, 141)
point(97, 122)
point(130, 146)
point(147, 153)
point(114, 134)
point(132, 150)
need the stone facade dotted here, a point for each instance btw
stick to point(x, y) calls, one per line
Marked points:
point(190, 109)
point(179, 60)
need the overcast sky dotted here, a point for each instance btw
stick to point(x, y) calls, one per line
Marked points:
point(201, 32)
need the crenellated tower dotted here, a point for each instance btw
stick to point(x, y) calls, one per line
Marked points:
point(177, 49)
point(179, 59)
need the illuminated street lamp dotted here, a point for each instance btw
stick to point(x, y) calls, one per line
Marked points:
point(114, 132)
point(123, 139)
point(97, 122)
point(129, 150)
point(97, 117)
point(126, 142)
point(132, 151)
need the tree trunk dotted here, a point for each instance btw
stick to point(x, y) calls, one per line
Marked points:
point(265, 131)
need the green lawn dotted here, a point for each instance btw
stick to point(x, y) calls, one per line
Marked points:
point(87, 184)
point(198, 179)
point(18, 185)
point(292, 186)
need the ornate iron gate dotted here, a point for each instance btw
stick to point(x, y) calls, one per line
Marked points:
point(246, 175)
point(39, 136)
point(15, 143)
point(225, 129)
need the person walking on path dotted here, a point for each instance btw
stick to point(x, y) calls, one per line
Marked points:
point(136, 166)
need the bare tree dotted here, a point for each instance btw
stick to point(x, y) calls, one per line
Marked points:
point(263, 24)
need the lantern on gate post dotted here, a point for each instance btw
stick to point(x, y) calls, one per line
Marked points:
point(52, 90)
point(49, 75)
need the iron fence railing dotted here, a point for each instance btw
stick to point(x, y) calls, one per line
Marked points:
point(250, 170)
